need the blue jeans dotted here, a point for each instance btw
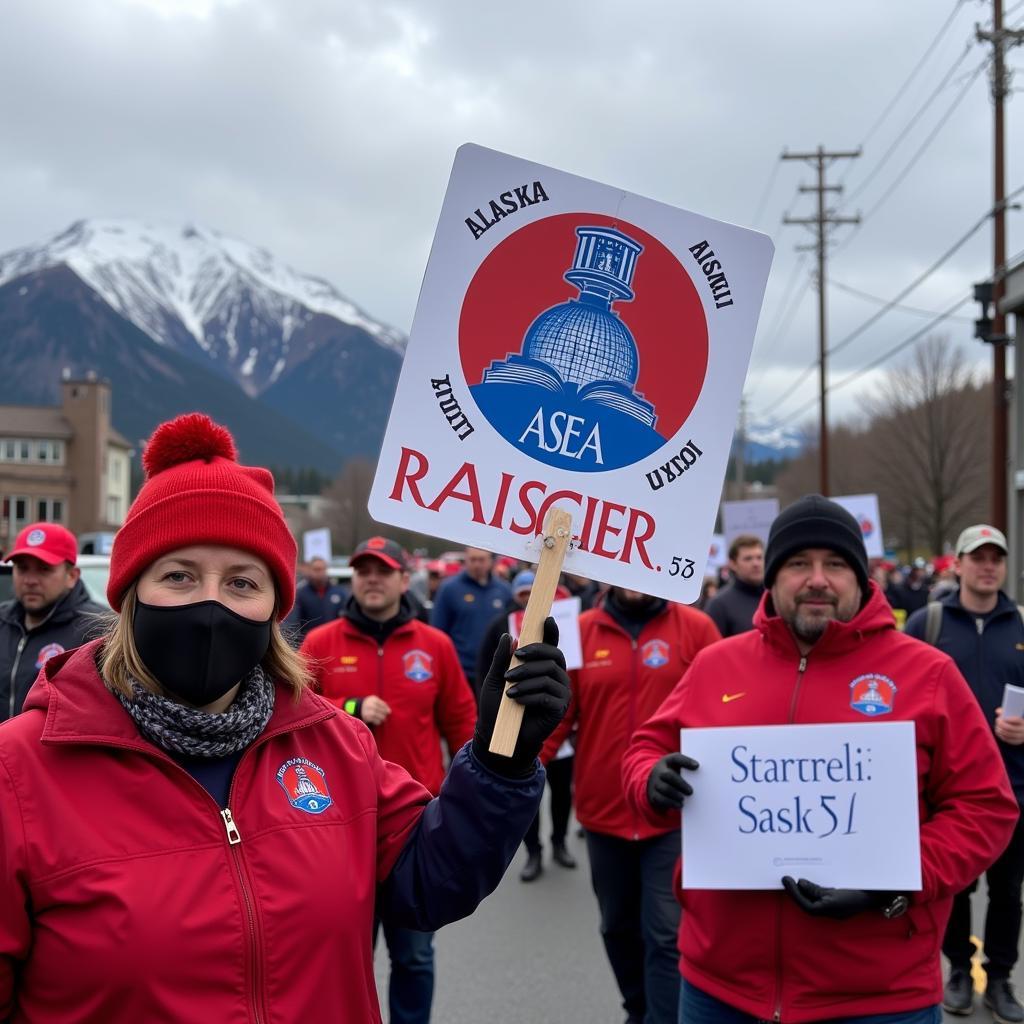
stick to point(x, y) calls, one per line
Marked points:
point(639, 920)
point(411, 981)
point(697, 1007)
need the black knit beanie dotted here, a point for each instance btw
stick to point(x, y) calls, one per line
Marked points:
point(815, 522)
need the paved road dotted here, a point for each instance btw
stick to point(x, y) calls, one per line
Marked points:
point(531, 954)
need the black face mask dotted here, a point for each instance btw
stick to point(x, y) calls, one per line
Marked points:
point(199, 651)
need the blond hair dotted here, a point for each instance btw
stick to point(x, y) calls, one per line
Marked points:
point(120, 662)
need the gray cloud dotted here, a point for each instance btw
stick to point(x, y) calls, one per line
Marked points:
point(325, 130)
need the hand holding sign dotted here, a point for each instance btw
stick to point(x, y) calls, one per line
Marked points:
point(839, 904)
point(539, 686)
point(666, 788)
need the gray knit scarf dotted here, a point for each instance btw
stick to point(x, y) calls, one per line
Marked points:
point(180, 729)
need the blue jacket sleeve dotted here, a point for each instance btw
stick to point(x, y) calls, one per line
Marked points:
point(461, 846)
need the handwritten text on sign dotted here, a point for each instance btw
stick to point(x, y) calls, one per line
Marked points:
point(833, 803)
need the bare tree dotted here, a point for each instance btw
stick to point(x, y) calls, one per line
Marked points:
point(929, 433)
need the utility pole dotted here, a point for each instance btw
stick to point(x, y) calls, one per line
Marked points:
point(999, 37)
point(741, 452)
point(824, 219)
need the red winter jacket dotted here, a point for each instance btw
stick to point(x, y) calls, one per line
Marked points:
point(757, 951)
point(621, 684)
point(126, 897)
point(417, 672)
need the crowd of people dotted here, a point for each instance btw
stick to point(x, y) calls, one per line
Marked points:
point(264, 777)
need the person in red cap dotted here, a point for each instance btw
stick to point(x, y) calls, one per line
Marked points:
point(403, 679)
point(187, 831)
point(51, 611)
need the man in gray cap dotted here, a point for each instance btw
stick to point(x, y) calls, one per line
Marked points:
point(824, 638)
point(982, 630)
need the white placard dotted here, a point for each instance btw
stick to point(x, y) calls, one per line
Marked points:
point(566, 613)
point(754, 517)
point(316, 544)
point(1013, 701)
point(864, 508)
point(718, 554)
point(836, 804)
point(574, 345)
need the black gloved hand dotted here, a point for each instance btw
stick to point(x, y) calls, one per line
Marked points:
point(666, 788)
point(818, 901)
point(541, 686)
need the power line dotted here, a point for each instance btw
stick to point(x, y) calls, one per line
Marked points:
point(893, 302)
point(850, 378)
point(880, 301)
point(759, 212)
point(902, 136)
point(928, 140)
point(900, 92)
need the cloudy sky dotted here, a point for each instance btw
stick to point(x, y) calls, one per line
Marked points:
point(325, 130)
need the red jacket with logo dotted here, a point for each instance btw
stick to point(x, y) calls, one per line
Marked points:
point(416, 672)
point(125, 897)
point(758, 951)
point(621, 684)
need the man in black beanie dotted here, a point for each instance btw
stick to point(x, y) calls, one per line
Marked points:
point(824, 649)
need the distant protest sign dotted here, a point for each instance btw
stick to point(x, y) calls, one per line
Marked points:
point(566, 613)
point(833, 803)
point(579, 347)
point(316, 544)
point(864, 508)
point(751, 517)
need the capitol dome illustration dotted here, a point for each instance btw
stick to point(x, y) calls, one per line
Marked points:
point(583, 356)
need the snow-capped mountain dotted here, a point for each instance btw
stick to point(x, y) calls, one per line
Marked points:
point(208, 296)
point(767, 441)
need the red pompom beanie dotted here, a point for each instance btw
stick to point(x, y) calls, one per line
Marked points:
point(197, 493)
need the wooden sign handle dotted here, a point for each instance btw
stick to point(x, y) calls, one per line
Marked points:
point(556, 536)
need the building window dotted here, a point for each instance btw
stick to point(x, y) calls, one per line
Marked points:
point(57, 452)
point(115, 470)
point(19, 507)
point(114, 509)
point(50, 510)
point(24, 451)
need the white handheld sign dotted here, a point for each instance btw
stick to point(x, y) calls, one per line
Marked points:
point(753, 517)
point(836, 804)
point(864, 508)
point(579, 347)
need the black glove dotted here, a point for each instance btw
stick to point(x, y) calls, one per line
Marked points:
point(541, 686)
point(818, 901)
point(666, 788)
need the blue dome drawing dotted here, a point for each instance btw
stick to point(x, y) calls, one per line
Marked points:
point(585, 342)
point(583, 358)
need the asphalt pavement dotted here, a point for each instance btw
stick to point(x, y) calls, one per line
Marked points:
point(531, 954)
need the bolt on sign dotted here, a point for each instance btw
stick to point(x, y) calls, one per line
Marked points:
point(579, 347)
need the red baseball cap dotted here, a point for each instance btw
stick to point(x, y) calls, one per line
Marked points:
point(387, 551)
point(49, 542)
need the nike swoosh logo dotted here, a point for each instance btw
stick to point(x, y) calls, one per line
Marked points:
point(726, 697)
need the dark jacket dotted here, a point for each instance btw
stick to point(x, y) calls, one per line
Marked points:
point(113, 857)
point(732, 608)
point(313, 608)
point(464, 609)
point(72, 621)
point(989, 651)
point(484, 656)
point(910, 599)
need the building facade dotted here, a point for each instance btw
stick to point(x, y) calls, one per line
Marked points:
point(64, 464)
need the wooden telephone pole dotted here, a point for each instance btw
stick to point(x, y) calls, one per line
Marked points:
point(999, 37)
point(822, 158)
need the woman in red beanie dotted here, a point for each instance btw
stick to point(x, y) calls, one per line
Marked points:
point(187, 832)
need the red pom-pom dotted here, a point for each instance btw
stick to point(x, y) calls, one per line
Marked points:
point(185, 439)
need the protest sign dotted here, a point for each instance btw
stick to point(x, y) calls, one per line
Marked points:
point(577, 347)
point(566, 613)
point(864, 508)
point(833, 803)
point(316, 544)
point(718, 554)
point(753, 517)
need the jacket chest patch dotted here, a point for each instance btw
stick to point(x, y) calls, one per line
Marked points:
point(654, 653)
point(418, 665)
point(872, 694)
point(48, 652)
point(304, 785)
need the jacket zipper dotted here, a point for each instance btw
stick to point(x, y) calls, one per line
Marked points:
point(234, 841)
point(632, 715)
point(777, 1016)
point(14, 671)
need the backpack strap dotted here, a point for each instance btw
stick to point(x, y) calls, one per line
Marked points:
point(933, 624)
